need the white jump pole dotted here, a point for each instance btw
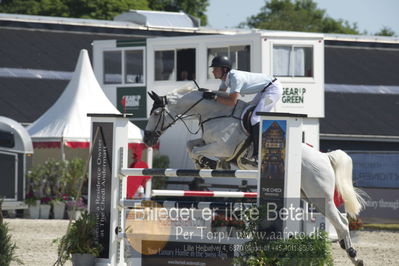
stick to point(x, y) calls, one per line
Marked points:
point(204, 173)
point(211, 194)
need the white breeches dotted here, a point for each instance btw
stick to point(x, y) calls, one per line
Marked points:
point(266, 101)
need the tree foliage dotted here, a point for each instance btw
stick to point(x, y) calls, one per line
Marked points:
point(300, 15)
point(101, 9)
point(196, 8)
point(94, 9)
point(385, 31)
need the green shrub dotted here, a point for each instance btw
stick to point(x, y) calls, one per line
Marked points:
point(300, 249)
point(303, 250)
point(7, 247)
point(159, 161)
point(80, 238)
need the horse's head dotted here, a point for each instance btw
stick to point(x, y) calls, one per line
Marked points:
point(167, 110)
point(158, 121)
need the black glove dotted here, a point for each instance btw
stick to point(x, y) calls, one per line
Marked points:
point(209, 95)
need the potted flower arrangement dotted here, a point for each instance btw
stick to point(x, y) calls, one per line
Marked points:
point(49, 181)
point(75, 207)
point(355, 225)
point(79, 244)
point(33, 203)
point(58, 204)
point(45, 207)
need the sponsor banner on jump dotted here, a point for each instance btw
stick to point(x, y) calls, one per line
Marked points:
point(375, 169)
point(273, 158)
point(181, 234)
point(272, 169)
point(190, 253)
point(100, 187)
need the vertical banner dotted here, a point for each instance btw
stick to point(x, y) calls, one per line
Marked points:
point(101, 179)
point(272, 170)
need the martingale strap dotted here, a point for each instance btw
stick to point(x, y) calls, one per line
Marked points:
point(268, 85)
point(201, 123)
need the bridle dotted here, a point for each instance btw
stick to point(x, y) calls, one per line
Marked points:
point(161, 102)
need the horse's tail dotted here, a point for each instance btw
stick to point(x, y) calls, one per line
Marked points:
point(342, 164)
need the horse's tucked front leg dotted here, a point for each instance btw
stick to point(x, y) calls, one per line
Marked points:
point(202, 153)
point(195, 157)
point(210, 150)
point(191, 144)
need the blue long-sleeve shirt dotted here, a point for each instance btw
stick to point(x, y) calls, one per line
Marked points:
point(245, 82)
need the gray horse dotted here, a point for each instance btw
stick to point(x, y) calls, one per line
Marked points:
point(223, 138)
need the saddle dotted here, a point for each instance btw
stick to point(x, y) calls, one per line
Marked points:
point(241, 148)
point(246, 125)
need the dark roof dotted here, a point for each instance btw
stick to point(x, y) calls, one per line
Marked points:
point(44, 43)
point(361, 65)
point(25, 100)
point(22, 99)
point(50, 50)
point(113, 27)
point(360, 114)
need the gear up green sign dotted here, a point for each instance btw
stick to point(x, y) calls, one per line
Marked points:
point(294, 95)
point(132, 100)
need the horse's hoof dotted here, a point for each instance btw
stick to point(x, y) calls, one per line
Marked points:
point(208, 163)
point(360, 263)
point(351, 252)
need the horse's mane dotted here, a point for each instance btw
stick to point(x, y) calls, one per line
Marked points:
point(177, 93)
point(182, 90)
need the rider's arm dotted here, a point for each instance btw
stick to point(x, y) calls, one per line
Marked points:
point(229, 99)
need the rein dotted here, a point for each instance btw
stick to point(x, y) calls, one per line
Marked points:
point(181, 117)
point(201, 123)
point(178, 117)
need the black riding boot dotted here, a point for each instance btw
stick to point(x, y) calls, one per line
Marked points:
point(255, 139)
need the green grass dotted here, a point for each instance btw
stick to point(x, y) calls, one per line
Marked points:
point(381, 226)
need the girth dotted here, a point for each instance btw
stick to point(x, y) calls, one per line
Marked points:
point(246, 119)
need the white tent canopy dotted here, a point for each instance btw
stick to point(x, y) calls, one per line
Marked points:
point(66, 121)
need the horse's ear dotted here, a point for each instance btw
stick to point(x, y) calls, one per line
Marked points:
point(156, 96)
point(152, 95)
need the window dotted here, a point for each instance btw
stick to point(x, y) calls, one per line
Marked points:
point(164, 65)
point(7, 139)
point(134, 66)
point(185, 64)
point(238, 55)
point(124, 67)
point(292, 61)
point(112, 67)
point(176, 65)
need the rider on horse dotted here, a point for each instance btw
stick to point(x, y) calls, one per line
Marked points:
point(268, 91)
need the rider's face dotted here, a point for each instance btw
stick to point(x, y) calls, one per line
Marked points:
point(217, 72)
